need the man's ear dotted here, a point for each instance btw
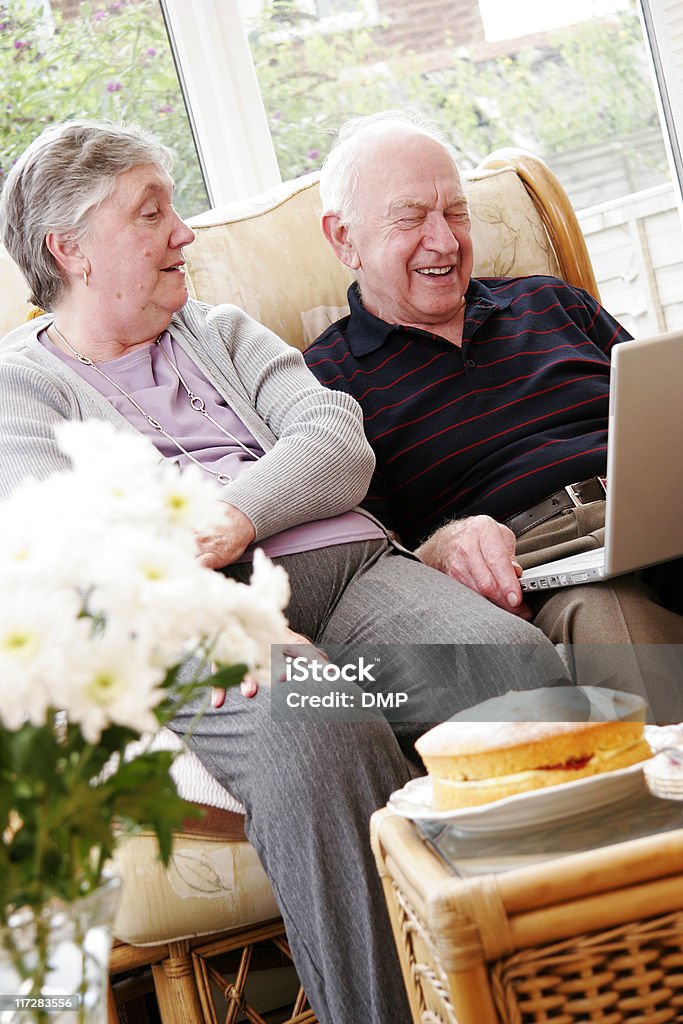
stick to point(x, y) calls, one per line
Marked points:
point(337, 234)
point(67, 252)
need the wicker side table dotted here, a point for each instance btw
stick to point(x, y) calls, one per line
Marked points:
point(592, 937)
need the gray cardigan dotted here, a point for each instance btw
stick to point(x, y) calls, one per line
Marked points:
point(317, 462)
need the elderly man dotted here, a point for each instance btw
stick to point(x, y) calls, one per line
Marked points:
point(482, 401)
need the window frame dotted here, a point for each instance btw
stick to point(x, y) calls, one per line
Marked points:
point(218, 80)
point(663, 30)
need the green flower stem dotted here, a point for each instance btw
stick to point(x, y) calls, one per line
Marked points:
point(40, 975)
point(42, 838)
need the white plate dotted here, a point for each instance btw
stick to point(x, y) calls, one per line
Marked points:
point(535, 807)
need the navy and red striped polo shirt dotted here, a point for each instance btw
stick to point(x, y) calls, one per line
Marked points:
point(520, 410)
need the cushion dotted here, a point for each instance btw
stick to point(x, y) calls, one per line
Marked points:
point(271, 259)
point(214, 880)
point(192, 780)
point(15, 306)
point(507, 231)
point(211, 885)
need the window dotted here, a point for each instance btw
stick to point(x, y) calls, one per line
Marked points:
point(331, 15)
point(570, 82)
point(328, 8)
point(268, 82)
point(110, 59)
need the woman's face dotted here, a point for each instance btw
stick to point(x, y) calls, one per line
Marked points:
point(133, 247)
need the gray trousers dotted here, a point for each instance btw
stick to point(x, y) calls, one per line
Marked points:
point(622, 633)
point(310, 786)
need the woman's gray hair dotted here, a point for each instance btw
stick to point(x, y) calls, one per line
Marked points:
point(340, 172)
point(56, 184)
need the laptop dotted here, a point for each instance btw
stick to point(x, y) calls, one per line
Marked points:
point(644, 510)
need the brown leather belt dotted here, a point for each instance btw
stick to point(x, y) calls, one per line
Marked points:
point(593, 489)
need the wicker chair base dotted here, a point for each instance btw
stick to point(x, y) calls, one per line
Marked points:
point(185, 974)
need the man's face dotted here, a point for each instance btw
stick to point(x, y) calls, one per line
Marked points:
point(411, 249)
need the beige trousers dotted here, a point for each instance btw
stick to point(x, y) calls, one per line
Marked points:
point(617, 633)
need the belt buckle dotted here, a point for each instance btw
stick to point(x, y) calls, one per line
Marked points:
point(586, 491)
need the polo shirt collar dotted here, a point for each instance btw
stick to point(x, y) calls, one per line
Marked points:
point(480, 295)
point(366, 332)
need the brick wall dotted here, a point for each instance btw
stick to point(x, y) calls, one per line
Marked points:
point(425, 25)
point(72, 8)
point(69, 8)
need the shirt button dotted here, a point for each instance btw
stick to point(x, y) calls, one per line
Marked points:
point(470, 362)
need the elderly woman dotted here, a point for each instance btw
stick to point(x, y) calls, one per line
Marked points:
point(87, 213)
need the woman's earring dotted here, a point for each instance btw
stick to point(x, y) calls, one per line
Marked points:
point(85, 277)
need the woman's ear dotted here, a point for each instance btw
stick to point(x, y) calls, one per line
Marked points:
point(67, 253)
point(337, 234)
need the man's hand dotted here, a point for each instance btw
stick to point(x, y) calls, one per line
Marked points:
point(480, 553)
point(297, 644)
point(227, 541)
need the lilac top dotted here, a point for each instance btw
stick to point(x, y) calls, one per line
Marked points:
point(147, 375)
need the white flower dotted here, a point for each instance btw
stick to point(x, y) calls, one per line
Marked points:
point(152, 584)
point(253, 612)
point(40, 637)
point(233, 645)
point(102, 600)
point(101, 592)
point(114, 476)
point(269, 582)
point(122, 478)
point(190, 499)
point(116, 684)
point(34, 526)
point(97, 448)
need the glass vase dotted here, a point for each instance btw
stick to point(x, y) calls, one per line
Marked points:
point(54, 963)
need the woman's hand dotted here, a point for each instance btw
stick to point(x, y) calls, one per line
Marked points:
point(296, 645)
point(227, 541)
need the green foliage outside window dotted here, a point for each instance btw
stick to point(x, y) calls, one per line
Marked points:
point(312, 81)
point(111, 62)
point(588, 86)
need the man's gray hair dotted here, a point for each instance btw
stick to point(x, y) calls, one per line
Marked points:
point(340, 172)
point(56, 184)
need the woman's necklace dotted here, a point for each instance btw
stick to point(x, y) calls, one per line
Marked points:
point(196, 402)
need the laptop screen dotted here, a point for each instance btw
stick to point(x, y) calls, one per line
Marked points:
point(644, 513)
